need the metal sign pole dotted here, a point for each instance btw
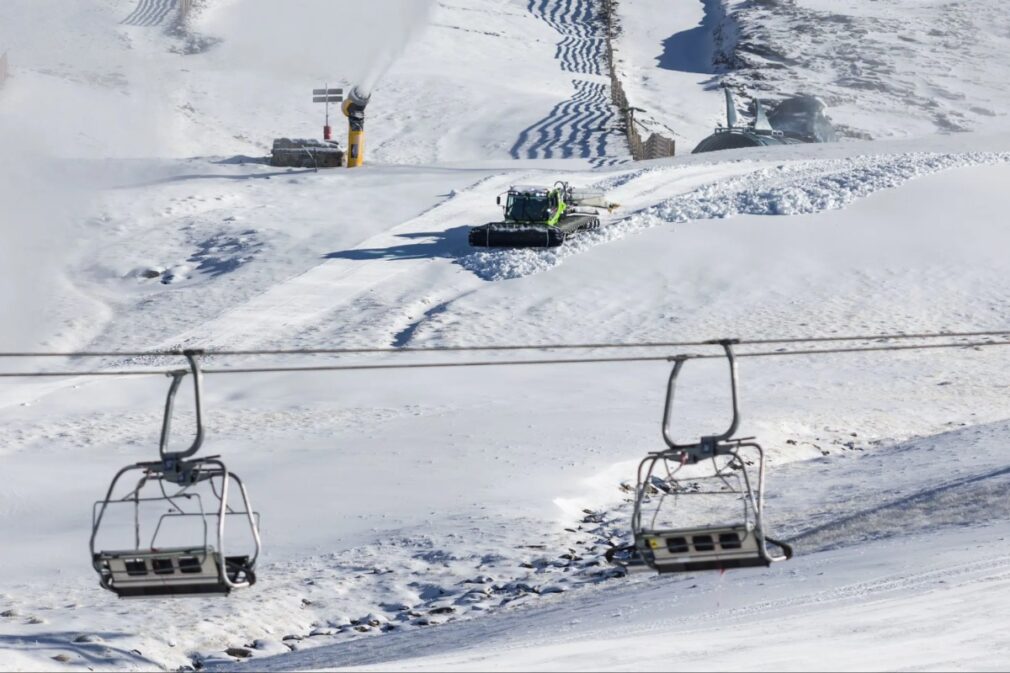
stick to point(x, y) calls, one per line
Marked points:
point(327, 95)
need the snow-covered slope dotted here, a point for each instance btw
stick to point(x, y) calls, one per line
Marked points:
point(210, 87)
point(396, 502)
point(668, 61)
point(314, 444)
point(887, 69)
point(877, 606)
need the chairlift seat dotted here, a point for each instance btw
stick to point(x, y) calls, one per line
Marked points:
point(705, 548)
point(716, 546)
point(149, 570)
point(173, 571)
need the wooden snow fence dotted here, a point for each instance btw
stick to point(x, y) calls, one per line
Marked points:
point(657, 146)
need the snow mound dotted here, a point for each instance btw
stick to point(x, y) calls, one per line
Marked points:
point(787, 189)
point(811, 188)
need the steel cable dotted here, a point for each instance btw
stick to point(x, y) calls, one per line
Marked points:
point(543, 361)
point(509, 347)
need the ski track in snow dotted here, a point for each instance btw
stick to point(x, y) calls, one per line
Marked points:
point(789, 189)
point(341, 287)
point(357, 287)
point(151, 12)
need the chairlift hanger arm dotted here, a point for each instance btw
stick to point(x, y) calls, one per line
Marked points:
point(709, 445)
point(172, 457)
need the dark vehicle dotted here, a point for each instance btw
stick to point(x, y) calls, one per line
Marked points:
point(541, 217)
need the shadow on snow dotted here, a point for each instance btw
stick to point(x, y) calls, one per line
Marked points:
point(692, 50)
point(451, 244)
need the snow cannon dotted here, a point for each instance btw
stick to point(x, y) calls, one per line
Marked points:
point(354, 110)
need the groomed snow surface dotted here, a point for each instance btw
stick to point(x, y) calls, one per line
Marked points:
point(456, 518)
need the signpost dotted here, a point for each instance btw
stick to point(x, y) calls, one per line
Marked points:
point(327, 96)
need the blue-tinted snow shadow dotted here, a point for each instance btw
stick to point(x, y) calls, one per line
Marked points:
point(242, 160)
point(691, 50)
point(215, 176)
point(387, 648)
point(577, 128)
point(451, 244)
point(226, 252)
point(101, 654)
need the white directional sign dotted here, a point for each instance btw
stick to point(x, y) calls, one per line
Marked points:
point(327, 95)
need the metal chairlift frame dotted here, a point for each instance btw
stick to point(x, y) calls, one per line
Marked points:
point(702, 547)
point(194, 570)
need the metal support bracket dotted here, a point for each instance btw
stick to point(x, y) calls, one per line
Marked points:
point(707, 446)
point(174, 464)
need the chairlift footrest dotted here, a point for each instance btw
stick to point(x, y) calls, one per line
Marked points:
point(183, 571)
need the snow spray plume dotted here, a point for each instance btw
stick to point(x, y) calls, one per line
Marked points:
point(39, 205)
point(320, 39)
point(407, 24)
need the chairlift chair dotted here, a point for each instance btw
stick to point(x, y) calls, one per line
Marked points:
point(178, 486)
point(715, 470)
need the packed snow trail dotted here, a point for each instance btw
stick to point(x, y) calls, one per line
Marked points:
point(319, 297)
point(788, 188)
point(366, 294)
point(930, 509)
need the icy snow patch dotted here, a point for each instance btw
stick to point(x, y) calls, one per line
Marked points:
point(789, 189)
